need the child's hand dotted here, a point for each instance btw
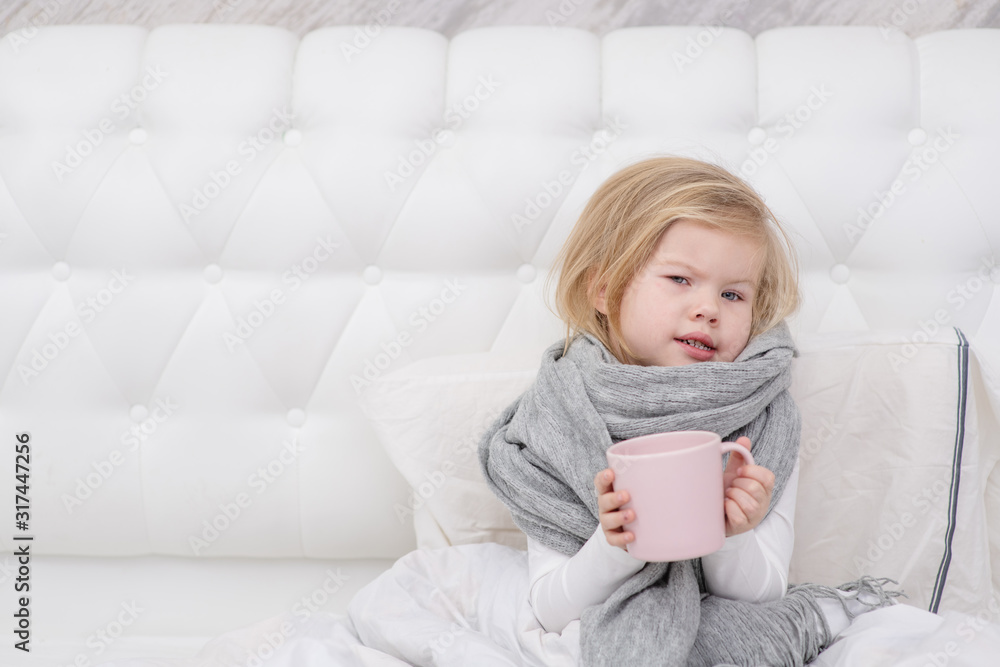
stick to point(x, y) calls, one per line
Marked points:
point(748, 492)
point(608, 502)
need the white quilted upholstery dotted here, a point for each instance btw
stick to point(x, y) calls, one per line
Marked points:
point(276, 221)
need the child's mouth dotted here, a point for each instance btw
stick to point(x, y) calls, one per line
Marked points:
point(696, 349)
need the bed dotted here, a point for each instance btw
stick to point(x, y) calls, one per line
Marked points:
point(262, 294)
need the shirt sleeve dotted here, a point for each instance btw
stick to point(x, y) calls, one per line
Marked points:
point(753, 566)
point(561, 587)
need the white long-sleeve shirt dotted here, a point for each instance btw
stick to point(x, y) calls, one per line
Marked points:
point(751, 566)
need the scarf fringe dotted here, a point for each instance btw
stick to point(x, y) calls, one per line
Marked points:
point(867, 591)
point(793, 633)
point(796, 630)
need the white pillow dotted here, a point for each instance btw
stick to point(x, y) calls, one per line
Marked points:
point(878, 493)
point(898, 440)
point(430, 416)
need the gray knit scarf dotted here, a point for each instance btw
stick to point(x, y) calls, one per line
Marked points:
point(541, 456)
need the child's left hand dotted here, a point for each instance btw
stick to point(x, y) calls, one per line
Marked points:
point(748, 492)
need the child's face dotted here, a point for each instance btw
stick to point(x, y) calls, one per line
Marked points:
point(700, 282)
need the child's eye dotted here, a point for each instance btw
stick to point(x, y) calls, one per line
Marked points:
point(678, 279)
point(734, 297)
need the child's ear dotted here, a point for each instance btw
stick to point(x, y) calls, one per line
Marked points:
point(600, 302)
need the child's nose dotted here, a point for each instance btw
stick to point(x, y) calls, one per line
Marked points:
point(706, 308)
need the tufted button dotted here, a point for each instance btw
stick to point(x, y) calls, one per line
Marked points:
point(757, 135)
point(917, 136)
point(138, 136)
point(138, 413)
point(526, 273)
point(372, 275)
point(293, 137)
point(213, 273)
point(296, 417)
point(839, 273)
point(995, 275)
point(60, 271)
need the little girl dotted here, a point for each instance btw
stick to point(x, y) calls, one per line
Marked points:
point(674, 285)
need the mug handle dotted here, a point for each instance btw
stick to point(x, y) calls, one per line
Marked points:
point(736, 447)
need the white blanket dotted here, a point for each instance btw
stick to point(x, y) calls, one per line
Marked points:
point(467, 605)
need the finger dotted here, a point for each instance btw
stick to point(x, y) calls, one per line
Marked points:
point(735, 516)
point(747, 503)
point(751, 486)
point(603, 481)
point(734, 513)
point(624, 517)
point(620, 539)
point(757, 474)
point(606, 503)
point(609, 502)
point(760, 473)
point(616, 520)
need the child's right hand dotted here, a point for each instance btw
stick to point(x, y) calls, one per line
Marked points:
point(608, 503)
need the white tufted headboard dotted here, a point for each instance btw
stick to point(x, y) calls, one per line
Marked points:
point(212, 238)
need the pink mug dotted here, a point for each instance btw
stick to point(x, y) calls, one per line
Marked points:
point(674, 482)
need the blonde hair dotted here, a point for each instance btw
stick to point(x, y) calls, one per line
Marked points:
point(623, 221)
